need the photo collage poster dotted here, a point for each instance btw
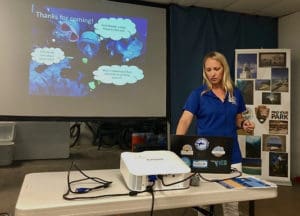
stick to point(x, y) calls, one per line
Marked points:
point(263, 76)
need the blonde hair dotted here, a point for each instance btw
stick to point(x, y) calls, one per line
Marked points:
point(227, 82)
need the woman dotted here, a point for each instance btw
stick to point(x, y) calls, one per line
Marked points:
point(217, 105)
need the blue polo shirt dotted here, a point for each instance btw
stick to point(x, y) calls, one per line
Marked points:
point(215, 117)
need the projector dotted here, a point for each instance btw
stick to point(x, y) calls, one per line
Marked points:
point(162, 169)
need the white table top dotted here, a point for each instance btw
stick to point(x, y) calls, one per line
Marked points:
point(41, 194)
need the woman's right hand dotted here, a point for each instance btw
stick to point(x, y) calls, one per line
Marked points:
point(248, 126)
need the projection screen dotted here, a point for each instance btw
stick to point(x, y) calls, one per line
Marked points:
point(87, 58)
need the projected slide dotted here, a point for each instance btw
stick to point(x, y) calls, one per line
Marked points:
point(76, 53)
point(70, 59)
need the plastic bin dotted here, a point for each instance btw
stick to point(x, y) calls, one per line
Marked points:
point(6, 153)
point(7, 131)
point(7, 135)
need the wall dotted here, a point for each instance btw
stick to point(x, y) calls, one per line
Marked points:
point(288, 37)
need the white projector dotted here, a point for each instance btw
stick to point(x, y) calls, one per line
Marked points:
point(162, 169)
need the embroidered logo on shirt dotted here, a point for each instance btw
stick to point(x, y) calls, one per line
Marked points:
point(232, 99)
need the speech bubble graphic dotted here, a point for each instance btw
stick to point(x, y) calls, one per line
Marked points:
point(115, 28)
point(118, 75)
point(47, 55)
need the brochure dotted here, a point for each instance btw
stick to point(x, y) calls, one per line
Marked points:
point(244, 182)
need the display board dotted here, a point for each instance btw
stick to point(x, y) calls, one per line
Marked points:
point(264, 77)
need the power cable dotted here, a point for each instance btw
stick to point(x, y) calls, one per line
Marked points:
point(75, 133)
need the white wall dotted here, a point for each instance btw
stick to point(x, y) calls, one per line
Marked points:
point(289, 37)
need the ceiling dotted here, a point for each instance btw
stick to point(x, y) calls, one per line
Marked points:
point(271, 8)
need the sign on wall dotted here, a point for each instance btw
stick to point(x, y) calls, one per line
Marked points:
point(263, 76)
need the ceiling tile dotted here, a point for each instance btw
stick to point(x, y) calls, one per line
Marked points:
point(215, 4)
point(250, 6)
point(282, 8)
point(159, 1)
point(273, 8)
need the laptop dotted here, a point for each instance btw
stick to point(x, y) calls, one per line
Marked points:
point(204, 154)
